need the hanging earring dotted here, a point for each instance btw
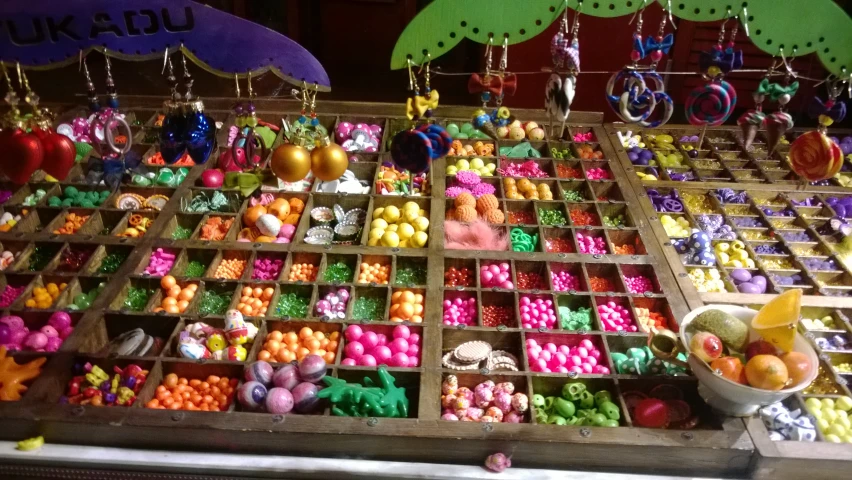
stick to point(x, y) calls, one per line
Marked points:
point(411, 110)
point(635, 102)
point(254, 150)
point(562, 84)
point(110, 119)
point(655, 47)
point(329, 160)
point(22, 151)
point(173, 130)
point(750, 121)
point(58, 151)
point(713, 103)
point(429, 101)
point(291, 162)
point(200, 132)
point(779, 122)
point(813, 155)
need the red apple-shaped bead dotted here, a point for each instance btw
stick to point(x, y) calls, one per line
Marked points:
point(59, 153)
point(760, 347)
point(22, 155)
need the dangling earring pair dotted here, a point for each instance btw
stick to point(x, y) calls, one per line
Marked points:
point(776, 123)
point(254, 151)
point(186, 128)
point(712, 103)
point(421, 106)
point(813, 155)
point(562, 84)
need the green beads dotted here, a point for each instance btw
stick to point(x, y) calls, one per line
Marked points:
point(561, 153)
point(572, 196)
point(369, 308)
point(41, 256)
point(292, 305)
point(338, 272)
point(552, 218)
point(614, 221)
point(194, 269)
point(523, 241)
point(137, 298)
point(213, 303)
point(410, 274)
point(575, 320)
point(181, 233)
point(71, 197)
point(111, 262)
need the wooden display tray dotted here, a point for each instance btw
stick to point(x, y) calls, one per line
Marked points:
point(782, 459)
point(720, 447)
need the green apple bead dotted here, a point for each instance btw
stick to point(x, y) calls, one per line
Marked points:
point(556, 420)
point(564, 407)
point(610, 423)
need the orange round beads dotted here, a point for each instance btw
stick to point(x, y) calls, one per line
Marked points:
point(374, 273)
point(406, 305)
point(230, 268)
point(302, 271)
point(285, 347)
point(213, 394)
point(254, 301)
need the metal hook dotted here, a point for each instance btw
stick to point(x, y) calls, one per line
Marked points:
point(787, 63)
point(744, 20)
point(250, 91)
point(427, 59)
point(575, 26)
point(237, 82)
point(671, 18)
point(638, 12)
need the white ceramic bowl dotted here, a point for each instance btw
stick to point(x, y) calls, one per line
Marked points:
point(731, 397)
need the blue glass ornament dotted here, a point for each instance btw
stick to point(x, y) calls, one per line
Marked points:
point(200, 136)
point(173, 136)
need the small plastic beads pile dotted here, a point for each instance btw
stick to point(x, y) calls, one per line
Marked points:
point(410, 274)
point(559, 245)
point(43, 297)
point(564, 281)
point(536, 312)
point(496, 315)
point(176, 298)
point(292, 305)
point(72, 197)
point(579, 320)
point(614, 221)
point(824, 323)
point(72, 259)
point(564, 171)
point(181, 233)
point(522, 217)
point(458, 277)
point(267, 268)
point(378, 273)
point(561, 153)
point(213, 303)
point(458, 149)
point(598, 174)
point(698, 203)
point(254, 302)
point(553, 218)
point(650, 321)
point(304, 272)
point(711, 281)
point(160, 263)
point(460, 310)
point(73, 223)
point(586, 152)
point(215, 228)
point(406, 305)
point(194, 269)
point(590, 244)
point(194, 395)
point(530, 281)
point(230, 268)
point(573, 196)
point(733, 254)
point(585, 357)
point(675, 227)
point(582, 218)
point(528, 169)
point(333, 304)
point(486, 403)
point(601, 284)
point(496, 275)
point(776, 263)
point(367, 347)
point(524, 189)
point(625, 249)
point(616, 318)
point(370, 309)
point(93, 386)
point(638, 284)
point(137, 298)
point(337, 272)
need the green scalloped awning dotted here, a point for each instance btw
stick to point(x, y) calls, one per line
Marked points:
point(799, 27)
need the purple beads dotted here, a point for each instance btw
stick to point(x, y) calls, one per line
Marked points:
point(808, 202)
point(670, 202)
point(160, 263)
point(818, 264)
point(747, 222)
point(728, 195)
point(640, 156)
point(266, 268)
point(795, 236)
point(794, 279)
point(786, 212)
point(841, 205)
point(768, 249)
point(676, 176)
point(333, 304)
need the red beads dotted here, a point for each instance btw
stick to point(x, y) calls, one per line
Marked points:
point(495, 315)
point(564, 171)
point(582, 218)
point(530, 281)
point(600, 284)
point(522, 218)
point(458, 277)
point(559, 245)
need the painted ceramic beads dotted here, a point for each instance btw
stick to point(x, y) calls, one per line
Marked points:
point(333, 304)
point(486, 403)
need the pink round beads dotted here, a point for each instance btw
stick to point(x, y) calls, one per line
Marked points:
point(333, 304)
point(591, 245)
point(460, 310)
point(496, 275)
point(598, 174)
point(564, 281)
point(266, 268)
point(367, 347)
point(583, 358)
point(160, 263)
point(615, 318)
point(10, 294)
point(638, 284)
point(15, 335)
point(537, 312)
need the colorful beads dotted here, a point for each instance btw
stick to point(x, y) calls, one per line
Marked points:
point(459, 310)
point(160, 263)
point(292, 305)
point(625, 249)
point(214, 394)
point(824, 323)
point(573, 196)
point(528, 169)
point(559, 245)
point(378, 273)
point(783, 263)
point(213, 303)
point(73, 223)
point(137, 298)
point(587, 152)
point(304, 272)
point(564, 281)
point(95, 387)
point(254, 301)
point(181, 233)
point(337, 272)
point(410, 274)
point(333, 304)
point(552, 218)
point(458, 277)
point(582, 218)
point(698, 203)
point(230, 268)
point(526, 189)
point(675, 227)
point(638, 284)
point(591, 245)
point(366, 346)
point(616, 318)
point(215, 228)
point(564, 171)
point(598, 174)
point(733, 254)
point(496, 315)
point(614, 221)
point(578, 320)
point(583, 358)
point(72, 197)
point(406, 305)
point(523, 241)
point(522, 218)
point(709, 280)
point(530, 281)
point(486, 403)
point(110, 263)
point(650, 321)
point(496, 276)
point(536, 312)
point(43, 297)
point(600, 284)
point(267, 268)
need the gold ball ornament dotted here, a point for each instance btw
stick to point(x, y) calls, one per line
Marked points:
point(290, 163)
point(329, 162)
